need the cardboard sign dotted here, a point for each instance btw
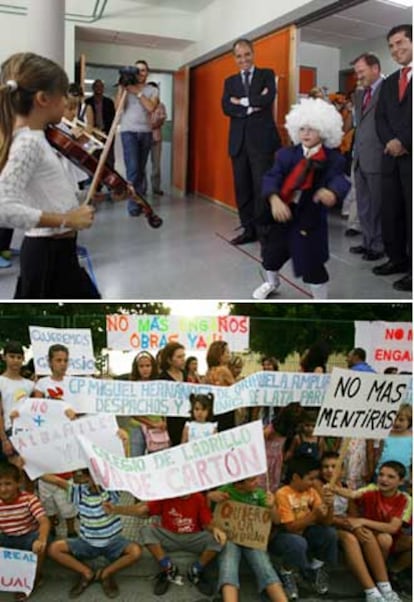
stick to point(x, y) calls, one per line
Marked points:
point(57, 449)
point(195, 466)
point(386, 344)
point(245, 525)
point(35, 413)
point(17, 570)
point(125, 332)
point(361, 404)
point(78, 341)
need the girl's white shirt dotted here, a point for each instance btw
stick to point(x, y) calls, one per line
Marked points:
point(33, 181)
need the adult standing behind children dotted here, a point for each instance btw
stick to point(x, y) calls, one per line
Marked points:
point(368, 151)
point(35, 194)
point(103, 109)
point(136, 131)
point(172, 363)
point(394, 117)
point(248, 100)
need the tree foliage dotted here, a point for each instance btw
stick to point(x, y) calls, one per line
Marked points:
point(280, 328)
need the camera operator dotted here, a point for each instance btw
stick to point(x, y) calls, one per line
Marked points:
point(136, 131)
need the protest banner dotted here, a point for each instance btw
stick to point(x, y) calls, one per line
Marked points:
point(35, 413)
point(77, 340)
point(228, 456)
point(57, 449)
point(170, 398)
point(386, 344)
point(361, 404)
point(17, 570)
point(244, 524)
point(151, 332)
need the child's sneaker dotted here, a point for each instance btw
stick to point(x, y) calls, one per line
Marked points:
point(319, 580)
point(163, 580)
point(264, 290)
point(375, 597)
point(391, 596)
point(289, 584)
point(198, 578)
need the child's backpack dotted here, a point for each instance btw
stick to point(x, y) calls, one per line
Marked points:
point(156, 439)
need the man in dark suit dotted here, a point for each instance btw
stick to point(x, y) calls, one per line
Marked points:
point(394, 124)
point(248, 100)
point(368, 152)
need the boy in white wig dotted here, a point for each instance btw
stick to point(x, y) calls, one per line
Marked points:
point(305, 180)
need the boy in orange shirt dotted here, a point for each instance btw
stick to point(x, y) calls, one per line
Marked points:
point(304, 531)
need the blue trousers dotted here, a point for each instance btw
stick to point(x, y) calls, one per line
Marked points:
point(136, 147)
point(317, 541)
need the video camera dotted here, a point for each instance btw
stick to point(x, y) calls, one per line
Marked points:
point(128, 76)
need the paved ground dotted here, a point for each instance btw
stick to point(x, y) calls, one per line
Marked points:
point(136, 583)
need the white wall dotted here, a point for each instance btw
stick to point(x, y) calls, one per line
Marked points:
point(325, 59)
point(112, 54)
point(378, 46)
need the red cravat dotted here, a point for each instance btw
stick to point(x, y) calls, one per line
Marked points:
point(403, 82)
point(367, 98)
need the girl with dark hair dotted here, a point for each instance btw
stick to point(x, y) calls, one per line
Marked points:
point(201, 424)
point(35, 194)
point(172, 363)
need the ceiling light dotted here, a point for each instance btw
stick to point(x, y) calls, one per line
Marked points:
point(406, 3)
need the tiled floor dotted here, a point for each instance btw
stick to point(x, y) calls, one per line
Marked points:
point(189, 257)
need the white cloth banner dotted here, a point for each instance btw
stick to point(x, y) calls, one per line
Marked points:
point(35, 413)
point(169, 398)
point(386, 344)
point(361, 404)
point(77, 340)
point(125, 332)
point(57, 448)
point(17, 570)
point(226, 457)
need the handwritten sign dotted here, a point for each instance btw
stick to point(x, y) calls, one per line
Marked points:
point(386, 344)
point(195, 466)
point(245, 525)
point(140, 332)
point(78, 341)
point(57, 449)
point(35, 413)
point(361, 404)
point(17, 570)
point(169, 398)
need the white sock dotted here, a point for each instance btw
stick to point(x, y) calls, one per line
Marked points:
point(273, 278)
point(319, 291)
point(384, 587)
point(316, 564)
point(372, 593)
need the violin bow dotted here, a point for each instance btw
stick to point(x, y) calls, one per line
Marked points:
point(105, 152)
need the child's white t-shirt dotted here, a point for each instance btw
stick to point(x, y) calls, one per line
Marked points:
point(12, 391)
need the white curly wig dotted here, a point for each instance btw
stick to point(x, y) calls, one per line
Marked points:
point(319, 115)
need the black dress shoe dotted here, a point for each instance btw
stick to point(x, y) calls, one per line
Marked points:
point(358, 250)
point(372, 255)
point(243, 239)
point(404, 284)
point(386, 269)
point(352, 232)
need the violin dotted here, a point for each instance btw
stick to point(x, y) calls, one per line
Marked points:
point(72, 150)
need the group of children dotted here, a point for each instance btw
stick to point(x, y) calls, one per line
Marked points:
point(311, 510)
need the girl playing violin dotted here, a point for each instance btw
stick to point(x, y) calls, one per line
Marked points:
point(35, 194)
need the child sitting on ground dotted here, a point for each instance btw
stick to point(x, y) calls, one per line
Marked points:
point(382, 510)
point(99, 535)
point(186, 524)
point(305, 180)
point(268, 582)
point(305, 530)
point(23, 522)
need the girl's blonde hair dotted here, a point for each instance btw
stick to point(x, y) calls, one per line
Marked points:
point(23, 75)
